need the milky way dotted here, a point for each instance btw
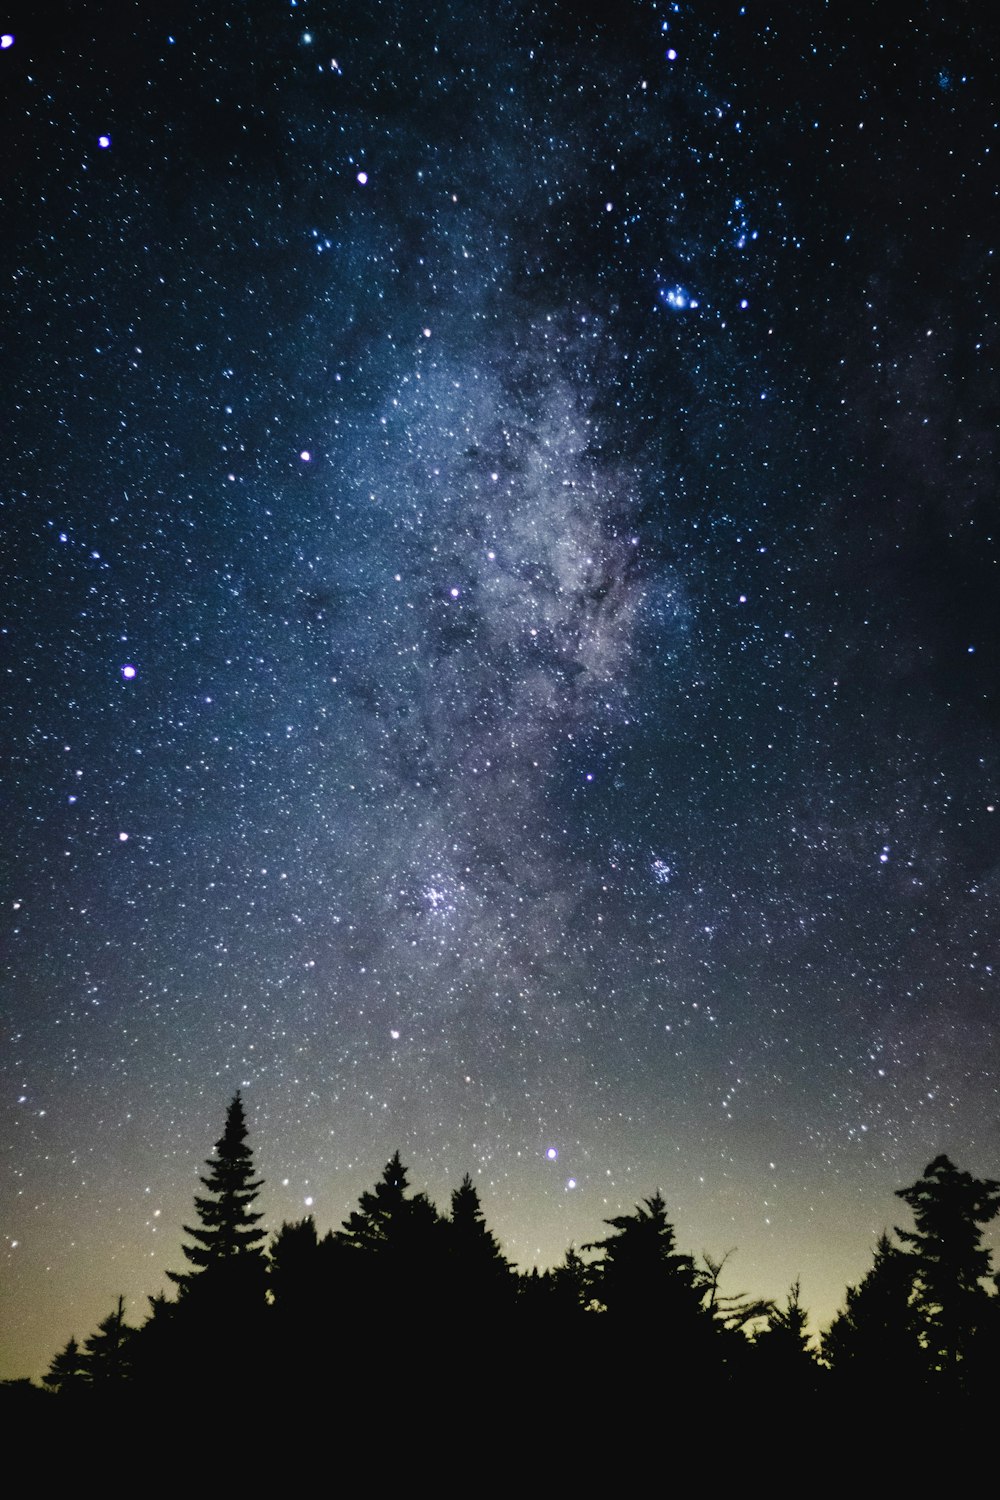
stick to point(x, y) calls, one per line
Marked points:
point(500, 630)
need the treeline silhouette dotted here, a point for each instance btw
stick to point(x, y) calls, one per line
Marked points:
point(403, 1302)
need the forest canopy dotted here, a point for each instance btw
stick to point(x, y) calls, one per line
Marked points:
point(401, 1284)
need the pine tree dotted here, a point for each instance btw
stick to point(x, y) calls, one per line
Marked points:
point(68, 1371)
point(387, 1224)
point(950, 1210)
point(471, 1240)
point(391, 1252)
point(293, 1261)
point(874, 1339)
point(785, 1340)
point(642, 1278)
point(479, 1276)
point(227, 1253)
point(572, 1283)
point(560, 1296)
point(108, 1352)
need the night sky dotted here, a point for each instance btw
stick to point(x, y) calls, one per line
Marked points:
point(500, 622)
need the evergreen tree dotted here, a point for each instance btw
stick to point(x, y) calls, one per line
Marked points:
point(641, 1278)
point(874, 1339)
point(108, 1352)
point(555, 1304)
point(387, 1224)
point(391, 1245)
point(390, 1263)
point(950, 1265)
point(477, 1280)
point(571, 1285)
point(305, 1275)
point(227, 1253)
point(293, 1262)
point(785, 1341)
point(68, 1371)
point(309, 1310)
point(474, 1252)
point(780, 1364)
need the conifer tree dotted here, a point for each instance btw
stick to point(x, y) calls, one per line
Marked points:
point(733, 1312)
point(874, 1338)
point(950, 1265)
point(292, 1266)
point(572, 1282)
point(641, 1277)
point(783, 1361)
point(227, 1253)
point(786, 1337)
point(471, 1240)
point(479, 1275)
point(68, 1371)
point(390, 1249)
point(108, 1352)
point(563, 1294)
point(387, 1222)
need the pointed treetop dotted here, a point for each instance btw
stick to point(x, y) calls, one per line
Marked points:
point(470, 1238)
point(465, 1205)
point(649, 1222)
point(227, 1231)
point(386, 1219)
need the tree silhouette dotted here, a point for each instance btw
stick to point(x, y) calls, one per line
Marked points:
point(950, 1210)
point(389, 1258)
point(641, 1278)
point(875, 1338)
point(393, 1243)
point(108, 1352)
point(430, 1303)
point(571, 1286)
point(387, 1224)
point(478, 1271)
point(293, 1261)
point(68, 1371)
point(227, 1253)
point(784, 1343)
point(734, 1312)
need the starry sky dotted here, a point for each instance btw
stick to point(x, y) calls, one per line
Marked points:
point(499, 631)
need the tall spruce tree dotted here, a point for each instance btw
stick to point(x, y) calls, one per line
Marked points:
point(68, 1372)
point(874, 1340)
point(472, 1241)
point(958, 1316)
point(783, 1352)
point(390, 1249)
point(388, 1225)
point(227, 1254)
point(478, 1274)
point(108, 1352)
point(641, 1278)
